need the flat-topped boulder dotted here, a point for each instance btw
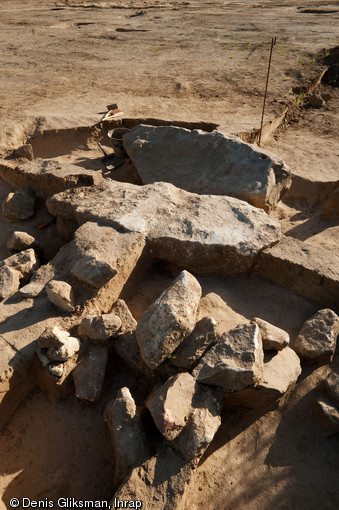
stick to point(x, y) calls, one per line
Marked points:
point(309, 270)
point(207, 163)
point(280, 374)
point(204, 233)
point(46, 176)
point(117, 255)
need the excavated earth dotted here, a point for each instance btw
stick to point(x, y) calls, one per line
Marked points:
point(263, 247)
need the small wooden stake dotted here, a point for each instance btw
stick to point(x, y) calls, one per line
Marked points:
point(274, 40)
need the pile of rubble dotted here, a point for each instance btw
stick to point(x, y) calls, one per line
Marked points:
point(189, 370)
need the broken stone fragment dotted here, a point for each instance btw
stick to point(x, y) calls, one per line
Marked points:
point(128, 323)
point(62, 353)
point(56, 369)
point(20, 241)
point(124, 424)
point(18, 205)
point(171, 403)
point(207, 163)
point(272, 337)
point(125, 341)
point(318, 336)
point(280, 374)
point(61, 295)
point(178, 225)
point(90, 373)
point(332, 384)
point(194, 346)
point(330, 415)
point(100, 328)
point(235, 362)
point(24, 151)
point(202, 424)
point(168, 320)
point(53, 337)
point(93, 271)
point(38, 281)
point(25, 262)
point(9, 281)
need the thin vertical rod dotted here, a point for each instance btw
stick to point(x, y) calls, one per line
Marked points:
point(274, 39)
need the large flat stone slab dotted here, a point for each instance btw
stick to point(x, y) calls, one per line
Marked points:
point(203, 233)
point(119, 251)
point(207, 163)
point(309, 270)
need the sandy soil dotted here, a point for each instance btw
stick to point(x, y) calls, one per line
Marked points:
point(61, 64)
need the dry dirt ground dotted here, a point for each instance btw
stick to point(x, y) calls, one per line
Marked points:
point(61, 64)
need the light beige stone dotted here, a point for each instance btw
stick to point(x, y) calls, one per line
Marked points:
point(235, 362)
point(168, 320)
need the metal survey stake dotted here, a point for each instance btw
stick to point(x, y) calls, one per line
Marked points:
point(274, 40)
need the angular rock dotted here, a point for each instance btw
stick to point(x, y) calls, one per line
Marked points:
point(25, 262)
point(318, 336)
point(194, 346)
point(90, 373)
point(20, 241)
point(280, 374)
point(56, 369)
point(272, 337)
point(99, 328)
point(202, 233)
point(124, 424)
point(24, 151)
point(309, 270)
point(93, 271)
point(171, 403)
point(48, 176)
point(158, 484)
point(128, 323)
point(207, 163)
point(53, 337)
point(202, 425)
point(19, 205)
point(38, 281)
point(332, 384)
point(168, 320)
point(70, 347)
point(121, 251)
point(9, 281)
point(235, 362)
point(330, 415)
point(125, 340)
point(61, 295)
